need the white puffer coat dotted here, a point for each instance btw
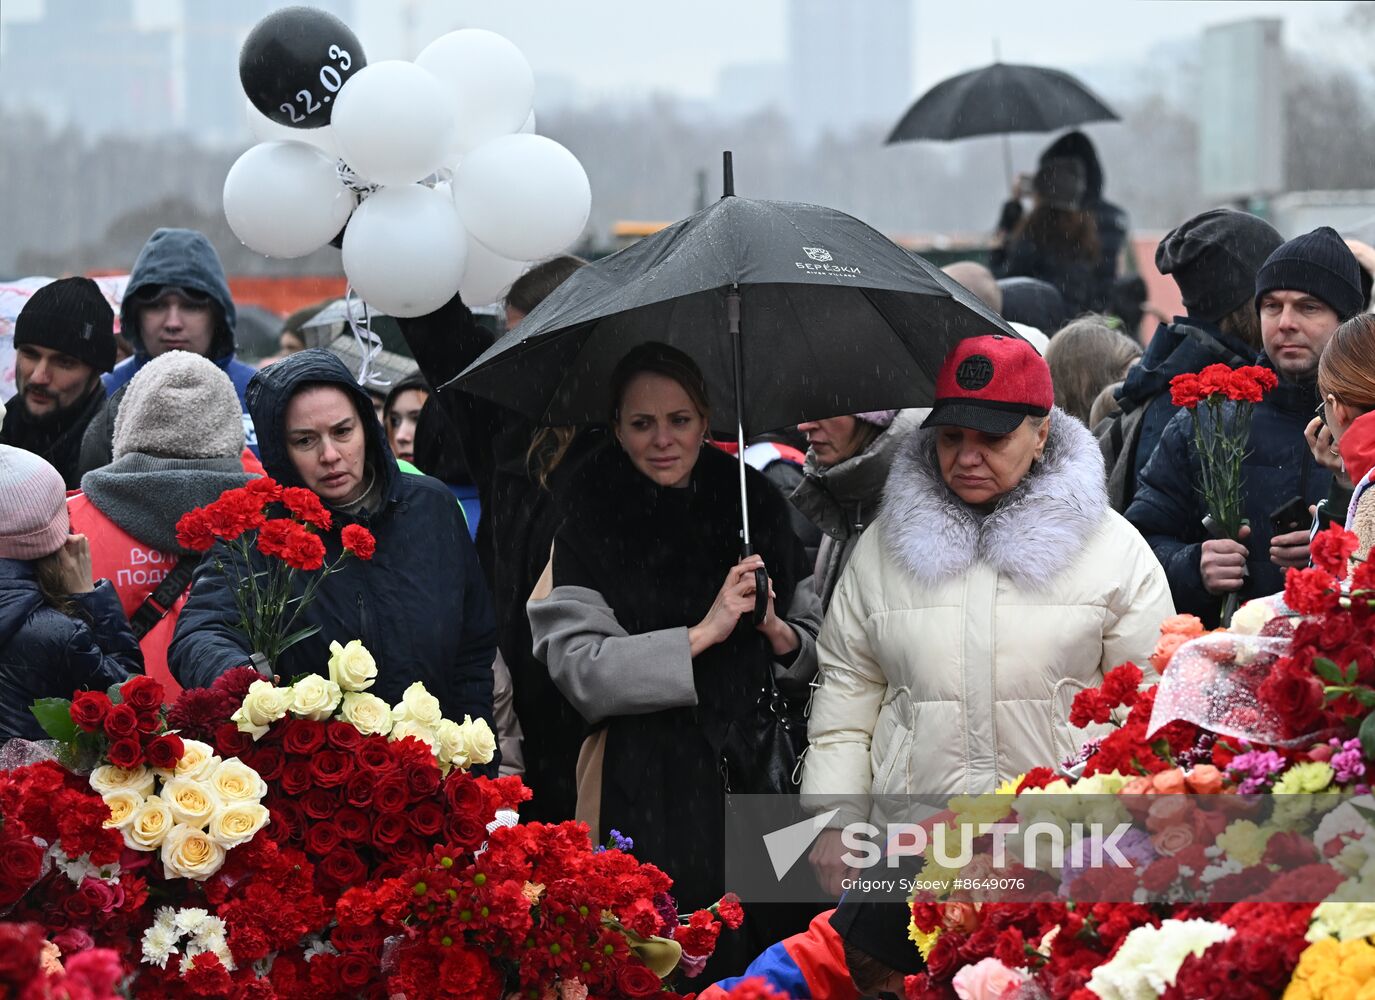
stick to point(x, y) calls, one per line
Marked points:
point(955, 643)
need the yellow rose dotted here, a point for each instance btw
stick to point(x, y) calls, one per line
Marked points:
point(123, 803)
point(263, 705)
point(410, 727)
point(148, 825)
point(367, 713)
point(481, 743)
point(234, 781)
point(188, 853)
point(197, 761)
point(352, 666)
point(107, 778)
point(314, 697)
point(191, 802)
point(236, 823)
point(419, 705)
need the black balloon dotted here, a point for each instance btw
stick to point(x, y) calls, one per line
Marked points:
point(294, 62)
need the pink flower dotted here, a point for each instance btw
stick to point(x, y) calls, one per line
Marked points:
point(988, 980)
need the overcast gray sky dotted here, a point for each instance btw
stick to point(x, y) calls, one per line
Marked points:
point(619, 48)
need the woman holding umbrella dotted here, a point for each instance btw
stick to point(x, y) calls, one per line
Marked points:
point(639, 617)
point(995, 584)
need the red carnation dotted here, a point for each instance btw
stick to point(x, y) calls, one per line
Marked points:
point(89, 709)
point(1089, 706)
point(126, 753)
point(306, 506)
point(193, 531)
point(1307, 591)
point(165, 751)
point(358, 540)
point(730, 911)
point(1185, 390)
point(1332, 550)
point(266, 490)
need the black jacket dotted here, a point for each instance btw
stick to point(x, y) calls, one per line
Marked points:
point(1168, 509)
point(419, 605)
point(514, 537)
point(46, 654)
point(58, 439)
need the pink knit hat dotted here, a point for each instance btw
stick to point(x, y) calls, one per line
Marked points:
point(33, 506)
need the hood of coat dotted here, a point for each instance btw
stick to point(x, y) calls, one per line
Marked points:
point(19, 597)
point(1358, 447)
point(1186, 345)
point(146, 495)
point(182, 257)
point(1032, 536)
point(831, 498)
point(271, 389)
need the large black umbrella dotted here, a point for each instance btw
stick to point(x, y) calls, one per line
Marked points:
point(792, 311)
point(998, 100)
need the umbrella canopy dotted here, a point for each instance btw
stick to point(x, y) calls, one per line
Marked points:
point(999, 99)
point(834, 318)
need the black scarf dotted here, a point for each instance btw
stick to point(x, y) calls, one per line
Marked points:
point(56, 438)
point(659, 556)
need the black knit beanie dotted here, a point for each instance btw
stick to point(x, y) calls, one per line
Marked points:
point(1319, 264)
point(70, 315)
point(1214, 258)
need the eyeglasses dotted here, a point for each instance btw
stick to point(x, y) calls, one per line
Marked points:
point(155, 294)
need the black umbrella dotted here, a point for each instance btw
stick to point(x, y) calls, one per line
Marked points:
point(792, 311)
point(998, 100)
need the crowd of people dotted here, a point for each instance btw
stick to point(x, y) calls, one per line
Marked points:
point(941, 581)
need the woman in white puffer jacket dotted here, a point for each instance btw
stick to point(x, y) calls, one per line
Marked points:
point(996, 583)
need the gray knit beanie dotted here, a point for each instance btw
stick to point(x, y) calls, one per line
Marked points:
point(879, 418)
point(33, 506)
point(180, 405)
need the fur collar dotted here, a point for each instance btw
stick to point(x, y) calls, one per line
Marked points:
point(1031, 537)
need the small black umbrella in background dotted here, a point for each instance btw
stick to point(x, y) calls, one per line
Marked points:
point(792, 311)
point(998, 100)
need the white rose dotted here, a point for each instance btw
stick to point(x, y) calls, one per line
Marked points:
point(409, 727)
point(453, 747)
point(148, 825)
point(191, 802)
point(1251, 617)
point(236, 823)
point(352, 666)
point(197, 761)
point(234, 781)
point(123, 803)
point(314, 697)
point(481, 743)
point(107, 778)
point(188, 853)
point(263, 705)
point(367, 713)
point(419, 705)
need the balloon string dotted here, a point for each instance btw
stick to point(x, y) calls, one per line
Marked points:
point(369, 344)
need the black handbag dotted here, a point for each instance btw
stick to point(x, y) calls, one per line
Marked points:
point(762, 749)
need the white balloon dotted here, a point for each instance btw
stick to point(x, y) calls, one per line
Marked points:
point(393, 121)
point(523, 196)
point(487, 278)
point(264, 129)
point(491, 82)
point(285, 199)
point(527, 129)
point(404, 250)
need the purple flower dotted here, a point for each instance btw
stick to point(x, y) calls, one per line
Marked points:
point(1347, 761)
point(1257, 769)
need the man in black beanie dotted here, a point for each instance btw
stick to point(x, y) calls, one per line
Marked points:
point(1213, 258)
point(1305, 289)
point(64, 340)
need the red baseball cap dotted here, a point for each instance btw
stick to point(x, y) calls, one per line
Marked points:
point(991, 384)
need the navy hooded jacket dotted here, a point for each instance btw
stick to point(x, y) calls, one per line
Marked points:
point(47, 654)
point(185, 258)
point(1168, 509)
point(420, 605)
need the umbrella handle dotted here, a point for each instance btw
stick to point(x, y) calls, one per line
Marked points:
point(761, 596)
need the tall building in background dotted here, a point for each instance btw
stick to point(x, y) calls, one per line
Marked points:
point(48, 65)
point(1241, 109)
point(848, 63)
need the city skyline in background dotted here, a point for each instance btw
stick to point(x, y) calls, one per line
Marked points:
point(148, 66)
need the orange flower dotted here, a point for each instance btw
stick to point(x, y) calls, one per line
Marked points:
point(1165, 649)
point(1169, 782)
point(1185, 625)
point(1204, 779)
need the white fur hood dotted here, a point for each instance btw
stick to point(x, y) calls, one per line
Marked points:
point(1033, 535)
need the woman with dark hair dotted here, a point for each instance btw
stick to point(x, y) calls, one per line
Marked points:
point(60, 630)
point(1057, 241)
point(643, 616)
